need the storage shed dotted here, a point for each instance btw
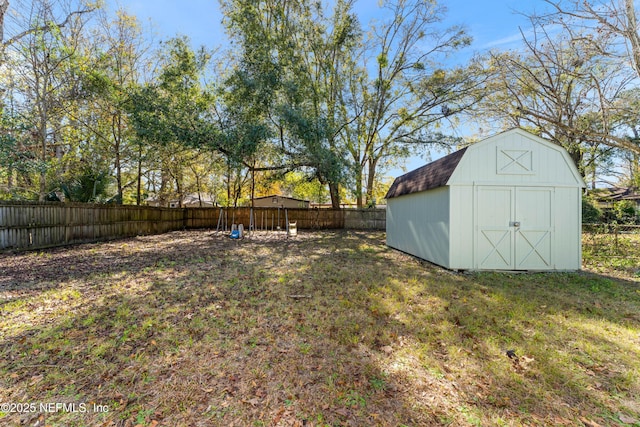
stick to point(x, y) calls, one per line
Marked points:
point(509, 202)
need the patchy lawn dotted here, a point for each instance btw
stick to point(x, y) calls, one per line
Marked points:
point(327, 329)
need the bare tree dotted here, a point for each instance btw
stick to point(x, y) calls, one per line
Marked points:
point(408, 89)
point(608, 31)
point(615, 21)
point(33, 27)
point(564, 85)
point(121, 63)
point(4, 5)
point(42, 52)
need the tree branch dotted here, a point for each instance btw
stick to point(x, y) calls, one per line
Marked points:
point(41, 28)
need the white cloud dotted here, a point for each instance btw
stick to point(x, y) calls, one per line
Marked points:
point(517, 37)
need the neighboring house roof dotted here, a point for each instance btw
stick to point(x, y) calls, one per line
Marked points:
point(186, 199)
point(616, 193)
point(193, 198)
point(433, 175)
point(281, 197)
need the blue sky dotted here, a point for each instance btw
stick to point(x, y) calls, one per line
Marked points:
point(491, 23)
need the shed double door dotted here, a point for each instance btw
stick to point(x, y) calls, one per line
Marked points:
point(513, 228)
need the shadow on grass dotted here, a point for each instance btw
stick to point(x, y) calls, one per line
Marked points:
point(332, 328)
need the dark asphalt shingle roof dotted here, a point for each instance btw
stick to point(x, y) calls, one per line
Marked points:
point(433, 175)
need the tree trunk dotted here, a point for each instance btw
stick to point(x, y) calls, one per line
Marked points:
point(635, 171)
point(179, 191)
point(253, 183)
point(632, 34)
point(358, 177)
point(371, 178)
point(139, 177)
point(4, 5)
point(9, 178)
point(228, 184)
point(198, 188)
point(164, 181)
point(42, 134)
point(334, 191)
point(116, 146)
point(576, 155)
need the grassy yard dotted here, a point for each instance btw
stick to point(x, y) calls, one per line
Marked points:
point(327, 329)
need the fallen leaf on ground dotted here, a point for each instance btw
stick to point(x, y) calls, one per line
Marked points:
point(589, 423)
point(627, 419)
point(253, 402)
point(344, 412)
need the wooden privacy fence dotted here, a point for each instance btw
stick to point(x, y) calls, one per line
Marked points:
point(41, 225)
point(272, 218)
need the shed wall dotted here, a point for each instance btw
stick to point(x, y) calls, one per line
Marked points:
point(522, 161)
point(566, 234)
point(515, 158)
point(419, 224)
point(461, 230)
point(568, 227)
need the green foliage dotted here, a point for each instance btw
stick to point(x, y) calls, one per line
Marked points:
point(383, 61)
point(307, 88)
point(284, 88)
point(14, 157)
point(312, 135)
point(305, 187)
point(18, 193)
point(18, 163)
point(624, 211)
point(295, 97)
point(175, 108)
point(590, 211)
point(88, 185)
point(608, 248)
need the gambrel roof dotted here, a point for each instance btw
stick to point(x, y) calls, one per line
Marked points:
point(478, 162)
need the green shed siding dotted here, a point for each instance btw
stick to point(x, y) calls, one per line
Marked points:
point(510, 202)
point(418, 224)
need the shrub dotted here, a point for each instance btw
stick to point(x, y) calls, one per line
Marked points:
point(590, 212)
point(624, 210)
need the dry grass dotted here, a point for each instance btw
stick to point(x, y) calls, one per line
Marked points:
point(333, 328)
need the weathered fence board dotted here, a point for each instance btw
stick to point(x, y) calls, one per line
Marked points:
point(267, 218)
point(40, 225)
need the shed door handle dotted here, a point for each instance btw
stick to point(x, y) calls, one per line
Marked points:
point(514, 224)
